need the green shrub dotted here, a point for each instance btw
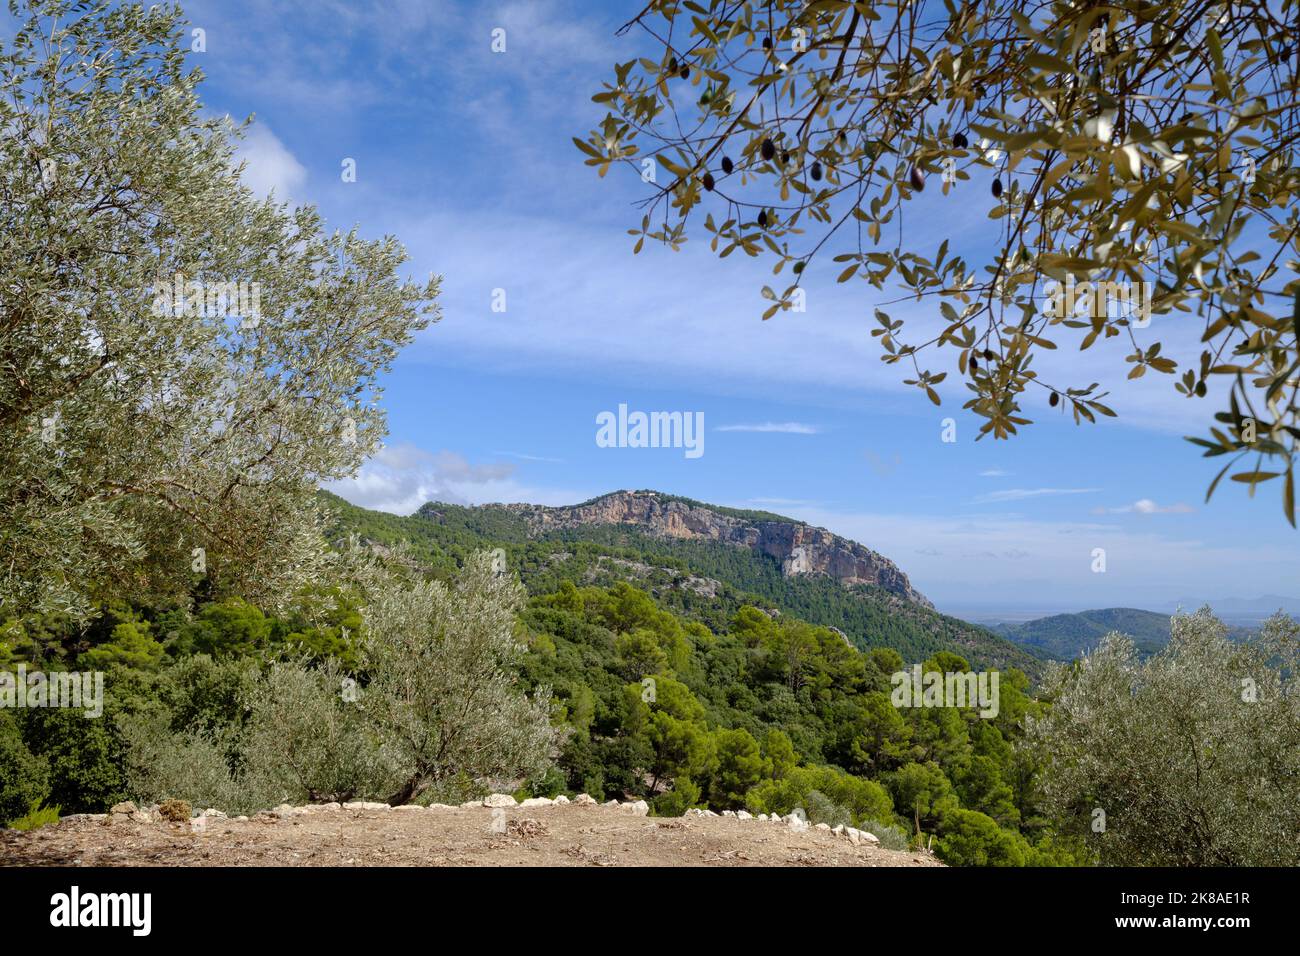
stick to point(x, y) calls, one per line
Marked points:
point(684, 795)
point(24, 777)
point(822, 809)
point(36, 817)
point(971, 838)
point(891, 837)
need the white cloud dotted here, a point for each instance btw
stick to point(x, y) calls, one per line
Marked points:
point(1019, 494)
point(995, 473)
point(270, 168)
point(785, 428)
point(400, 478)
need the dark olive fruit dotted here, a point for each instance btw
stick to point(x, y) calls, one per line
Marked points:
point(767, 43)
point(816, 171)
point(798, 268)
point(917, 178)
point(974, 363)
point(767, 149)
point(672, 65)
point(1200, 389)
point(997, 188)
point(708, 181)
point(685, 72)
point(844, 137)
point(959, 140)
point(1054, 400)
point(762, 218)
point(727, 165)
point(988, 355)
point(785, 157)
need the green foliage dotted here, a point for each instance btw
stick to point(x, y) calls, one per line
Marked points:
point(862, 799)
point(84, 756)
point(972, 839)
point(1192, 756)
point(24, 777)
point(36, 817)
point(130, 646)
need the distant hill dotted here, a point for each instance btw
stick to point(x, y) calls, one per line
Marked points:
point(704, 560)
point(1064, 637)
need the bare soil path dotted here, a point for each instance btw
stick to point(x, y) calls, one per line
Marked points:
point(562, 835)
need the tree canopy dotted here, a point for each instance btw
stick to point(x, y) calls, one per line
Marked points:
point(181, 362)
point(1139, 155)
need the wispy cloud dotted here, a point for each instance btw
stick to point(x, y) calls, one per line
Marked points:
point(1020, 494)
point(523, 457)
point(995, 473)
point(1145, 506)
point(785, 428)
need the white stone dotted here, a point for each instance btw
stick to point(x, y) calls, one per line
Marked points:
point(823, 826)
point(838, 830)
point(729, 813)
point(855, 836)
point(408, 807)
point(639, 807)
point(537, 802)
point(499, 800)
point(561, 799)
point(744, 815)
point(441, 806)
point(584, 800)
point(869, 837)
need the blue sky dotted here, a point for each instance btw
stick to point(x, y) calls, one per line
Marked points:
point(466, 156)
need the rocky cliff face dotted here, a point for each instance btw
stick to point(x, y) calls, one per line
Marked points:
point(800, 548)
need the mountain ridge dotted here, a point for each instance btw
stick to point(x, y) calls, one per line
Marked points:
point(801, 548)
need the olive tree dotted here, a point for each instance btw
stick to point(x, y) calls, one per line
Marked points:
point(442, 668)
point(181, 362)
point(1189, 759)
point(1135, 159)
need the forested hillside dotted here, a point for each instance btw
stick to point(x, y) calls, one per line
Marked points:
point(441, 535)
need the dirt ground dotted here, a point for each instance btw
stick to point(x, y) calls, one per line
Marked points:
point(567, 835)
